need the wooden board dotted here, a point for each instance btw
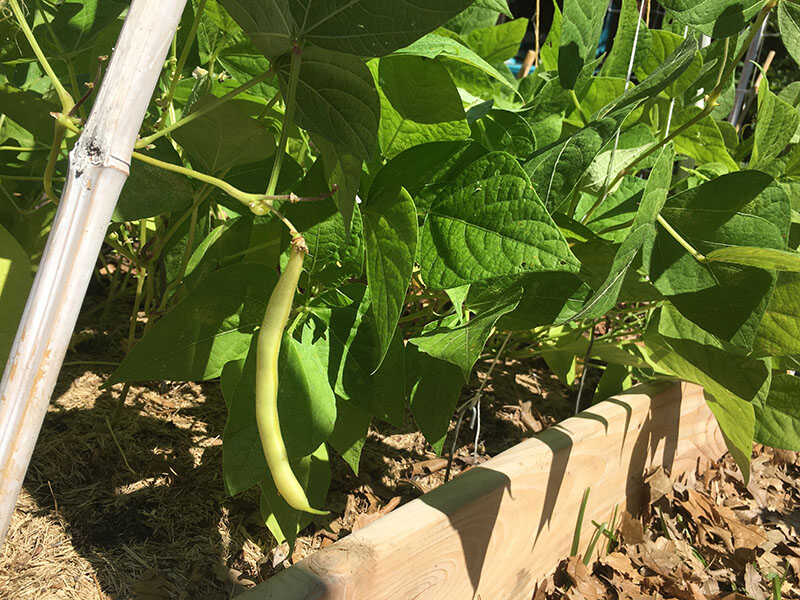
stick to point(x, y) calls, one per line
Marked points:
point(496, 530)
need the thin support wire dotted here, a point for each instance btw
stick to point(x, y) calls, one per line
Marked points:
point(471, 404)
point(672, 102)
point(585, 370)
point(627, 84)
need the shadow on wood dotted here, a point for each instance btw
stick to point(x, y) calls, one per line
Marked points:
point(497, 529)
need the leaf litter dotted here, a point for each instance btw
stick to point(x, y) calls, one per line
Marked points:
point(704, 536)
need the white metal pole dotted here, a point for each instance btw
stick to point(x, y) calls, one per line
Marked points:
point(98, 168)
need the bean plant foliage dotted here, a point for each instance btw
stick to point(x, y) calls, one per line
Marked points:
point(451, 212)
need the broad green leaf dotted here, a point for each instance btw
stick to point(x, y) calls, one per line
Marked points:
point(556, 171)
point(549, 50)
point(429, 111)
point(314, 474)
point(776, 125)
point(789, 25)
point(613, 217)
point(500, 6)
point(29, 110)
point(497, 42)
point(488, 223)
point(334, 255)
point(461, 345)
point(662, 45)
point(504, 131)
point(779, 330)
point(600, 92)
point(75, 25)
point(227, 136)
point(436, 46)
point(209, 328)
point(616, 65)
point(473, 17)
point(778, 416)
point(703, 140)
point(350, 432)
point(435, 389)
point(216, 30)
point(361, 27)
point(306, 411)
point(615, 379)
point(764, 258)
point(624, 149)
point(716, 18)
point(354, 350)
point(732, 384)
point(225, 241)
point(16, 279)
point(423, 170)
point(580, 31)
point(737, 421)
point(341, 171)
point(744, 208)
point(547, 298)
point(642, 235)
point(458, 296)
point(660, 78)
point(390, 232)
point(151, 191)
point(336, 99)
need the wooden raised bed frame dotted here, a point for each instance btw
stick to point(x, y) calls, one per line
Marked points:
point(494, 531)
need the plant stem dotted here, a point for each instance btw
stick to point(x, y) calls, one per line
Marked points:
point(726, 70)
point(202, 111)
point(288, 120)
point(141, 274)
point(59, 132)
point(679, 238)
point(187, 46)
point(19, 148)
point(578, 107)
point(243, 197)
point(258, 203)
point(711, 100)
point(63, 95)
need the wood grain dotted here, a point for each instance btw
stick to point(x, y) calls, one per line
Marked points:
point(497, 529)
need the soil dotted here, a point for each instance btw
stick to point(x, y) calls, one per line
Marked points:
point(126, 500)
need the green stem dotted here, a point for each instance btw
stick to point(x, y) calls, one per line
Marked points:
point(578, 107)
point(679, 238)
point(20, 148)
point(725, 72)
point(59, 132)
point(246, 198)
point(202, 111)
point(229, 259)
point(63, 95)
point(288, 120)
point(187, 47)
point(257, 203)
point(141, 274)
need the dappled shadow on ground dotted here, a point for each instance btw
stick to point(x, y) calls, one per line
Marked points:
point(125, 500)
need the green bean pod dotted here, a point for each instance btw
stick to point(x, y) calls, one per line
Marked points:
point(269, 345)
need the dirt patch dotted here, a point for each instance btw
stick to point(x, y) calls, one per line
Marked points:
point(126, 500)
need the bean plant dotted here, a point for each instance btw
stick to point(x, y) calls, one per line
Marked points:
point(601, 210)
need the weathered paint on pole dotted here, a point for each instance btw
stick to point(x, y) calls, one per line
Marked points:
point(98, 168)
